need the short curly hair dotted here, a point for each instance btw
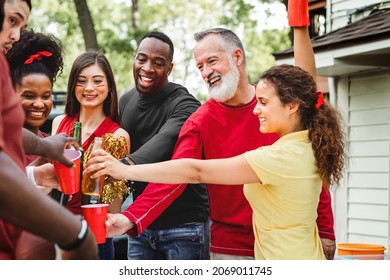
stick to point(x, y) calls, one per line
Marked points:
point(162, 37)
point(29, 44)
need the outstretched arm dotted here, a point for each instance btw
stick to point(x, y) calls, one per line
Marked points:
point(298, 18)
point(303, 51)
point(50, 148)
point(213, 171)
point(23, 205)
point(160, 146)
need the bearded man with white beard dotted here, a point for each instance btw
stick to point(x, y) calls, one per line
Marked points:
point(222, 127)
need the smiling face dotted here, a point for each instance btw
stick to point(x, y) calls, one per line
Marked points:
point(91, 87)
point(152, 66)
point(274, 116)
point(35, 91)
point(16, 16)
point(216, 65)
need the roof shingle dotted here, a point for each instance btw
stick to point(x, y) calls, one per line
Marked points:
point(373, 27)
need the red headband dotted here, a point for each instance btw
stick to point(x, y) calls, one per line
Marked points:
point(37, 56)
point(320, 100)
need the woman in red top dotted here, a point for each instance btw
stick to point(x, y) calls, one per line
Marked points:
point(92, 100)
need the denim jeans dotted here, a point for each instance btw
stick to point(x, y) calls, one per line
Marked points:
point(189, 241)
point(106, 250)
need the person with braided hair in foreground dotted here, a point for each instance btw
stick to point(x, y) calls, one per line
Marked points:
point(283, 181)
point(21, 203)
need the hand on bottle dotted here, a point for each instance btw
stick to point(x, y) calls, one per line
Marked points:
point(104, 164)
point(117, 224)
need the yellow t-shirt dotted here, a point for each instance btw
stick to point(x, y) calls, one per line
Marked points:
point(285, 203)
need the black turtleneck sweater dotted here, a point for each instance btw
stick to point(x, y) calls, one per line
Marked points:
point(154, 122)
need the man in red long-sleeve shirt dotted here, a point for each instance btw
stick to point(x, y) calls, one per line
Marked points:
point(222, 127)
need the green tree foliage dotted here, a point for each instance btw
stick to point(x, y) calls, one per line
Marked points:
point(86, 24)
point(119, 25)
point(111, 23)
point(259, 55)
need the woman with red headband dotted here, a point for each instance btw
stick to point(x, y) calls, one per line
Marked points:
point(282, 181)
point(35, 61)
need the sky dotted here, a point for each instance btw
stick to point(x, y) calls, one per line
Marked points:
point(277, 18)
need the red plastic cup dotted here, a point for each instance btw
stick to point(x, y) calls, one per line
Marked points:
point(298, 13)
point(69, 177)
point(96, 216)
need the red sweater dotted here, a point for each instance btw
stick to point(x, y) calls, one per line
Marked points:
point(11, 144)
point(218, 131)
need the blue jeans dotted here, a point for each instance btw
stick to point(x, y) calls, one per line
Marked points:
point(189, 241)
point(106, 250)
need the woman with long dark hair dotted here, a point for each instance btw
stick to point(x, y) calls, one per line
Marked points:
point(92, 99)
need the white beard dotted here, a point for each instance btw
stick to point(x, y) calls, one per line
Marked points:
point(226, 90)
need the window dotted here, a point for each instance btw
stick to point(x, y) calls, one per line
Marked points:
point(317, 13)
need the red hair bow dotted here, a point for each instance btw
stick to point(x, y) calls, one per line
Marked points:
point(320, 100)
point(37, 56)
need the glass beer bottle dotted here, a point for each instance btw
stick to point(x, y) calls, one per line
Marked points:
point(77, 135)
point(92, 188)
